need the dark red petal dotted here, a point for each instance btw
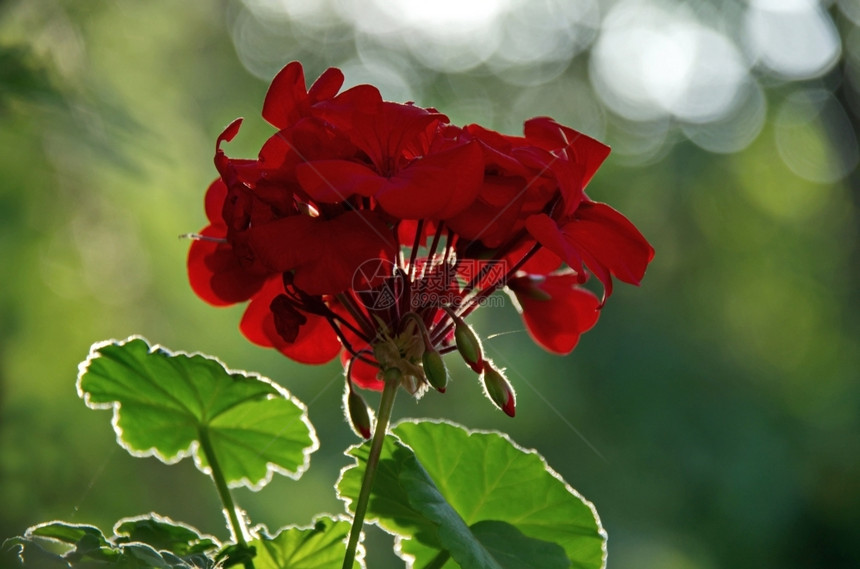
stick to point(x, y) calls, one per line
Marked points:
point(567, 177)
point(348, 241)
point(543, 262)
point(438, 186)
point(497, 149)
point(226, 166)
point(285, 243)
point(327, 85)
point(333, 181)
point(581, 148)
point(556, 311)
point(229, 133)
point(492, 217)
point(315, 343)
point(389, 132)
point(324, 253)
point(341, 111)
point(288, 319)
point(546, 231)
point(215, 273)
point(287, 98)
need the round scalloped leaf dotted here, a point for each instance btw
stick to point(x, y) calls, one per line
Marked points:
point(478, 498)
point(68, 533)
point(164, 534)
point(164, 402)
point(87, 548)
point(320, 547)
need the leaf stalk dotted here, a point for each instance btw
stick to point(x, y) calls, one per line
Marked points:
point(237, 526)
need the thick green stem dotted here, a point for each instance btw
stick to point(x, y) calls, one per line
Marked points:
point(386, 404)
point(237, 526)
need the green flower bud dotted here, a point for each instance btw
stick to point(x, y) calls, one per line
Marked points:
point(468, 345)
point(359, 416)
point(499, 389)
point(435, 370)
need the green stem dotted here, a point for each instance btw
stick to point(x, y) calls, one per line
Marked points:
point(439, 561)
point(237, 527)
point(386, 404)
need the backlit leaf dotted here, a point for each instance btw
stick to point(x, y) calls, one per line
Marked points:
point(164, 402)
point(164, 535)
point(477, 497)
point(320, 547)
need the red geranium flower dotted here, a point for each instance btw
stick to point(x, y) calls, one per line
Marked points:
point(372, 229)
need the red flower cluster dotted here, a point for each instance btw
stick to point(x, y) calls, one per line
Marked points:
point(370, 229)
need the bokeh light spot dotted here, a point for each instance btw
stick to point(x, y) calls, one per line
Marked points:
point(652, 61)
point(815, 137)
point(793, 40)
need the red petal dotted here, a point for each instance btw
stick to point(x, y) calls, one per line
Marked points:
point(608, 240)
point(316, 342)
point(287, 98)
point(599, 236)
point(342, 110)
point(546, 231)
point(437, 186)
point(333, 181)
point(556, 311)
point(229, 133)
point(497, 149)
point(493, 215)
point(215, 273)
point(214, 201)
point(324, 253)
point(327, 85)
point(543, 262)
point(581, 148)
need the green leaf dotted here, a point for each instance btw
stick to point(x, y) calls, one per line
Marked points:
point(163, 403)
point(235, 554)
point(86, 547)
point(69, 533)
point(320, 547)
point(164, 534)
point(478, 497)
point(515, 550)
point(25, 552)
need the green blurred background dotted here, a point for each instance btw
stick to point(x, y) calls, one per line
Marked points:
point(711, 416)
